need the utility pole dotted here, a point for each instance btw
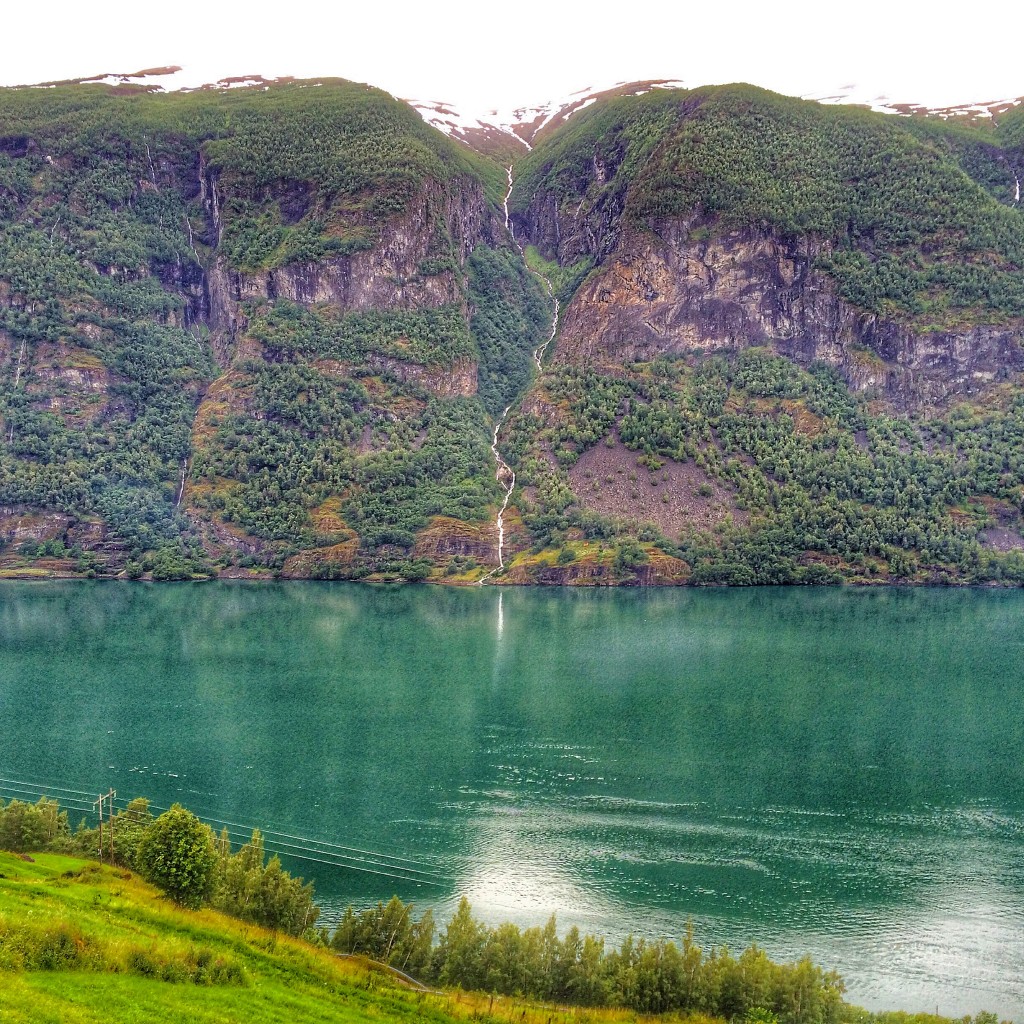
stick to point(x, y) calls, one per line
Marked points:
point(110, 818)
point(94, 803)
point(109, 797)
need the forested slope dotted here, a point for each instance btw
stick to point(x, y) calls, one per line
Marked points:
point(270, 330)
point(232, 321)
point(792, 347)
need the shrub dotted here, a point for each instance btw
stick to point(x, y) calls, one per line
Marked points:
point(177, 855)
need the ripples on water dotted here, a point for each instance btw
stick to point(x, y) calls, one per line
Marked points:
point(919, 910)
point(833, 773)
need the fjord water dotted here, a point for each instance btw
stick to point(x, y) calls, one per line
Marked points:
point(831, 772)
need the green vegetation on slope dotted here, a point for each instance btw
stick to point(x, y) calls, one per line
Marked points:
point(80, 943)
point(351, 410)
point(909, 211)
point(310, 169)
point(108, 223)
point(824, 488)
point(648, 977)
point(331, 443)
point(64, 921)
point(99, 374)
point(510, 319)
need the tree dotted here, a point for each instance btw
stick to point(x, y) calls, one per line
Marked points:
point(177, 854)
point(26, 826)
point(459, 953)
point(130, 826)
point(246, 886)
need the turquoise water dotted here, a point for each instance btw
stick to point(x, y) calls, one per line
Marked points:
point(832, 772)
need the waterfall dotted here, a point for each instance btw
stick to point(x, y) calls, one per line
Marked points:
point(505, 475)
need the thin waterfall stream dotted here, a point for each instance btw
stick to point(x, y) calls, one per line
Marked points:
point(505, 474)
point(181, 488)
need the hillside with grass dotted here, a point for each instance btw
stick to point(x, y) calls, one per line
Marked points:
point(82, 943)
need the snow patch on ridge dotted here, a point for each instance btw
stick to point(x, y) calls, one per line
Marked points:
point(524, 123)
point(854, 95)
point(172, 79)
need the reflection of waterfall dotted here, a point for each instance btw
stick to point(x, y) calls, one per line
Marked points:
point(502, 647)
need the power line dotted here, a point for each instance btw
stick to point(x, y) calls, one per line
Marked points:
point(273, 845)
point(347, 850)
point(416, 864)
point(275, 842)
point(78, 792)
point(13, 793)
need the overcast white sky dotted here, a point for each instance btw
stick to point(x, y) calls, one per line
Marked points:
point(479, 54)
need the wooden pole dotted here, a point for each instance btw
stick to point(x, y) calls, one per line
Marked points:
point(99, 801)
point(110, 817)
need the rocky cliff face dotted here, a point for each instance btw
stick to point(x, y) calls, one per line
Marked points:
point(394, 273)
point(673, 288)
point(167, 292)
point(590, 229)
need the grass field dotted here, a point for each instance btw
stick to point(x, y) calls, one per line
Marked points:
point(83, 943)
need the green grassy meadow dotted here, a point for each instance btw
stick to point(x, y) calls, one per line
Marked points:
point(81, 943)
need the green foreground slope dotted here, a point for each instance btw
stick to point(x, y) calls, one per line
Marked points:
point(82, 943)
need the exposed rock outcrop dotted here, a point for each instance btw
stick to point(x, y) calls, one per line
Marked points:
point(458, 380)
point(408, 267)
point(445, 537)
point(676, 287)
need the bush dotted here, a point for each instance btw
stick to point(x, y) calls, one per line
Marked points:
point(177, 855)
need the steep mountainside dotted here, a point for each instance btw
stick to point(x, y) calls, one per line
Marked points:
point(249, 327)
point(272, 328)
point(793, 343)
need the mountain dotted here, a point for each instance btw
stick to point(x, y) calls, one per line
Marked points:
point(291, 328)
point(506, 134)
point(853, 95)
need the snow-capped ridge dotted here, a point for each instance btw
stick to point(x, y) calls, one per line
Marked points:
point(172, 78)
point(854, 95)
point(506, 130)
point(491, 130)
